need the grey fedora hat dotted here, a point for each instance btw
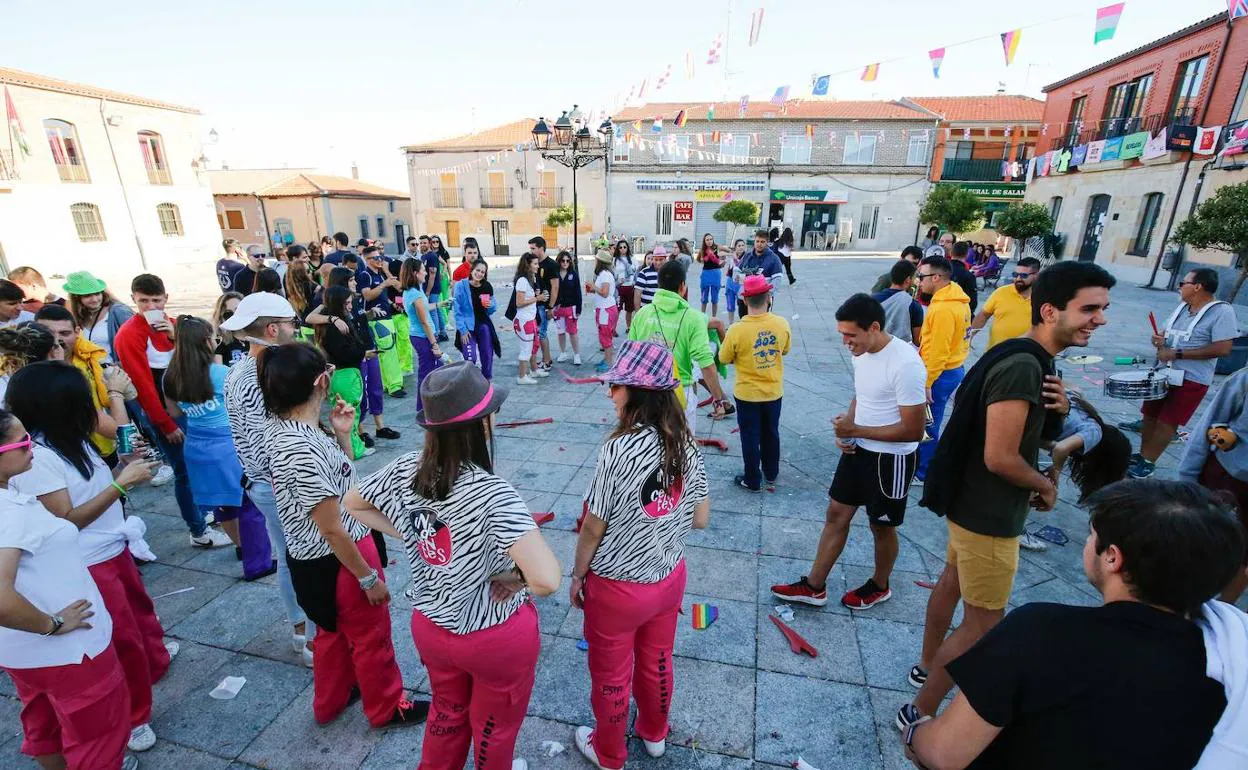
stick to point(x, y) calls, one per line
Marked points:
point(455, 394)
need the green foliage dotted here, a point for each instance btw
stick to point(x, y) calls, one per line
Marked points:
point(739, 212)
point(1221, 223)
point(953, 208)
point(1024, 220)
point(562, 215)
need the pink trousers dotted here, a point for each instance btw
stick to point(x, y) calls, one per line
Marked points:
point(73, 711)
point(481, 683)
point(360, 652)
point(631, 629)
point(137, 635)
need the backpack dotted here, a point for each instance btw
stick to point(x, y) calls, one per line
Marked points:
point(510, 315)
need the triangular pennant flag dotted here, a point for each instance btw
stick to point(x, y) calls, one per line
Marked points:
point(871, 72)
point(681, 119)
point(712, 56)
point(821, 85)
point(637, 125)
point(1009, 43)
point(745, 102)
point(714, 137)
point(1107, 19)
point(16, 131)
point(1237, 8)
point(701, 139)
point(781, 95)
point(756, 25)
point(658, 125)
point(810, 130)
point(710, 112)
point(937, 55)
point(641, 90)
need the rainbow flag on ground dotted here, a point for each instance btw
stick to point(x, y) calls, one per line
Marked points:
point(1107, 19)
point(704, 615)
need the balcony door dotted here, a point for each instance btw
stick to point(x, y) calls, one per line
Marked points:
point(501, 231)
point(1098, 209)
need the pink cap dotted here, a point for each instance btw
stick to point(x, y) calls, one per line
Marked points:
point(659, 251)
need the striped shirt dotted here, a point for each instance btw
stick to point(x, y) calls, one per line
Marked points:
point(454, 546)
point(647, 282)
point(244, 403)
point(312, 469)
point(647, 523)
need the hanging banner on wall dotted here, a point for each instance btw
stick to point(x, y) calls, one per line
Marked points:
point(1079, 155)
point(1207, 140)
point(1236, 138)
point(1094, 151)
point(1133, 145)
point(1181, 138)
point(1112, 149)
point(1155, 147)
point(712, 196)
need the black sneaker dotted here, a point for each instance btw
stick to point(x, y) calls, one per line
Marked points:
point(906, 716)
point(443, 338)
point(368, 440)
point(387, 433)
point(409, 713)
point(917, 677)
point(740, 481)
point(238, 553)
point(400, 393)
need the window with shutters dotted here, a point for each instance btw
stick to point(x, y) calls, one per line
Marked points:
point(71, 165)
point(662, 219)
point(170, 219)
point(87, 222)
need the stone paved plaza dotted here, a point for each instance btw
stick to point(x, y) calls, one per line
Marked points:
point(743, 700)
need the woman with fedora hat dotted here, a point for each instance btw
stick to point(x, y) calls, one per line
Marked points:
point(476, 557)
point(649, 489)
point(335, 566)
point(606, 306)
point(98, 313)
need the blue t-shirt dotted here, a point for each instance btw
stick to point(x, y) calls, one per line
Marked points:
point(416, 329)
point(432, 264)
point(365, 278)
point(234, 276)
point(335, 257)
point(210, 415)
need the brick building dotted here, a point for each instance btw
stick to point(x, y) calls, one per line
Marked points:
point(1115, 162)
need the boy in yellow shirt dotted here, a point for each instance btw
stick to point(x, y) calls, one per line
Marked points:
point(756, 346)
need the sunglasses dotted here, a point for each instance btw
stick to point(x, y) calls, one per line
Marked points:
point(921, 276)
point(22, 445)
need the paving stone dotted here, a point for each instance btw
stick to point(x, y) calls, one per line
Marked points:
point(908, 603)
point(722, 574)
point(167, 754)
point(233, 618)
point(889, 649)
point(190, 675)
point(773, 570)
point(294, 740)
point(833, 636)
point(415, 677)
point(728, 531)
point(172, 608)
point(561, 691)
point(845, 739)
point(713, 707)
point(884, 705)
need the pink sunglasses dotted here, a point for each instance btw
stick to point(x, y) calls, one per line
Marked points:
point(23, 444)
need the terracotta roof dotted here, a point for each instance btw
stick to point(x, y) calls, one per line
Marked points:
point(30, 80)
point(983, 109)
point(502, 137)
point(294, 183)
point(795, 109)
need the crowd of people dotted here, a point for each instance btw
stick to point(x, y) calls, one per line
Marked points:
point(256, 416)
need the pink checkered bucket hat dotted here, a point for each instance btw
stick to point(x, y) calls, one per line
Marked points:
point(645, 365)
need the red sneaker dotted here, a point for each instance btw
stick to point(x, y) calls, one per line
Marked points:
point(866, 596)
point(802, 592)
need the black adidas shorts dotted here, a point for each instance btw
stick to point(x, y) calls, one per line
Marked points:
point(877, 481)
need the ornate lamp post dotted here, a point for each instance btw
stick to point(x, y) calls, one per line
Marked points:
point(571, 144)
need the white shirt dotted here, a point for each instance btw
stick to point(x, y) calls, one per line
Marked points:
point(103, 538)
point(524, 290)
point(605, 278)
point(51, 575)
point(22, 317)
point(883, 383)
point(99, 335)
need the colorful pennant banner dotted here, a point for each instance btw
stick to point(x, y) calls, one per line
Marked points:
point(871, 72)
point(1107, 19)
point(937, 55)
point(756, 25)
point(781, 96)
point(1009, 42)
point(820, 87)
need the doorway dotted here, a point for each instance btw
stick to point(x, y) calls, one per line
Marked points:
point(1098, 208)
point(400, 236)
point(818, 226)
point(452, 233)
point(501, 234)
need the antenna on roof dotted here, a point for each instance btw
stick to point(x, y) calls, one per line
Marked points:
point(1000, 86)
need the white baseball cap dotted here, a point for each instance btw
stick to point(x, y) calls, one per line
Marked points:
point(259, 305)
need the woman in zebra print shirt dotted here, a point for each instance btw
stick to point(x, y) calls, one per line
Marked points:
point(649, 489)
point(476, 556)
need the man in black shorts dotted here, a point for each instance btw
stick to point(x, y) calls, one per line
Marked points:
point(879, 438)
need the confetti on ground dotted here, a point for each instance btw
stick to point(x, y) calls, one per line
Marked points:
point(784, 612)
point(735, 430)
point(543, 518)
point(705, 401)
point(174, 593)
point(553, 748)
point(519, 423)
point(580, 380)
point(796, 642)
point(802, 764)
point(704, 615)
point(582, 645)
point(925, 584)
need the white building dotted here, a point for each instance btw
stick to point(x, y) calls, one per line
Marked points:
point(102, 181)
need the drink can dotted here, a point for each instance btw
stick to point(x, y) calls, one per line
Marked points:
point(125, 438)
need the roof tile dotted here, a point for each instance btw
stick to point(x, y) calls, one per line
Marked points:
point(293, 183)
point(984, 109)
point(795, 109)
point(501, 137)
point(31, 80)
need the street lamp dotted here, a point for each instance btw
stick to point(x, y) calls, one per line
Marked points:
point(572, 148)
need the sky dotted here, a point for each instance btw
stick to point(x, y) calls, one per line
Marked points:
point(317, 84)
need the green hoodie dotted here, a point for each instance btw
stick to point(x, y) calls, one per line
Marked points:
point(669, 321)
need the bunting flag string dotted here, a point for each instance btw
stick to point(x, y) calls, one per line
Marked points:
point(716, 50)
point(937, 55)
point(681, 119)
point(1107, 19)
point(756, 25)
point(781, 96)
point(871, 72)
point(745, 102)
point(667, 74)
point(1009, 42)
point(1237, 8)
point(820, 88)
point(710, 112)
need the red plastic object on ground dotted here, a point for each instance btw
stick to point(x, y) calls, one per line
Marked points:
point(796, 642)
point(718, 443)
point(543, 518)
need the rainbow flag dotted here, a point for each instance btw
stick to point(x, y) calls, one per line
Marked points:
point(704, 615)
point(1107, 19)
point(681, 119)
point(937, 55)
point(870, 72)
point(1009, 42)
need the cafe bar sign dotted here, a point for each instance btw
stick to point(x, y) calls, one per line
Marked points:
point(809, 196)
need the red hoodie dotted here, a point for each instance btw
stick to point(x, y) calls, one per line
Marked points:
point(130, 348)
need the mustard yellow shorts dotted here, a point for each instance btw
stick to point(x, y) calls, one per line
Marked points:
point(986, 566)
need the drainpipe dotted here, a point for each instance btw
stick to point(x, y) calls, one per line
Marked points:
point(329, 214)
point(264, 217)
point(1187, 165)
point(125, 196)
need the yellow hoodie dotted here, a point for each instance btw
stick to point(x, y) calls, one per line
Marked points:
point(944, 343)
point(88, 356)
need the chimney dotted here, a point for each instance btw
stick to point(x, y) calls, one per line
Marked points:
point(355, 171)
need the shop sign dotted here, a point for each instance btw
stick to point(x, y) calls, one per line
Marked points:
point(799, 196)
point(693, 184)
point(1133, 145)
point(1010, 191)
point(682, 211)
point(712, 196)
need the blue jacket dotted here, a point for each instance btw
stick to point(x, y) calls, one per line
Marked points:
point(462, 305)
point(768, 265)
point(1226, 408)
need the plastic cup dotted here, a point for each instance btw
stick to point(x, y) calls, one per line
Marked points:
point(154, 316)
point(228, 688)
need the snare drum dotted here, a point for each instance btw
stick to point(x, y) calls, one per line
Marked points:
point(1137, 385)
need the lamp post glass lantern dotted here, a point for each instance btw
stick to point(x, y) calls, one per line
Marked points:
point(574, 146)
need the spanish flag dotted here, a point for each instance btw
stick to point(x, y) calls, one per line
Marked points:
point(871, 72)
point(681, 119)
point(1009, 42)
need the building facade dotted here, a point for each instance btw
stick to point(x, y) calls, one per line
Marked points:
point(1127, 145)
point(843, 175)
point(494, 187)
point(263, 206)
point(102, 181)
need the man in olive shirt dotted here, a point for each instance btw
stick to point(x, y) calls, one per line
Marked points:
point(994, 435)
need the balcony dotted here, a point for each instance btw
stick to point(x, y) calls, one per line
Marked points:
point(8, 166)
point(546, 197)
point(158, 175)
point(497, 198)
point(448, 197)
point(968, 170)
point(1069, 135)
point(72, 172)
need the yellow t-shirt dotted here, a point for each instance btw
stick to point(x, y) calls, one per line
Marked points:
point(1011, 314)
point(755, 346)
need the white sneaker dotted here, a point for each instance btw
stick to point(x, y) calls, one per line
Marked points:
point(369, 451)
point(141, 738)
point(173, 648)
point(307, 656)
point(211, 539)
point(527, 379)
point(1032, 543)
point(576, 359)
point(519, 764)
point(655, 749)
point(130, 762)
point(562, 357)
point(583, 734)
point(298, 642)
point(162, 476)
point(540, 372)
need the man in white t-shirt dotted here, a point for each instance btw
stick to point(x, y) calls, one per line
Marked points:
point(879, 438)
point(11, 312)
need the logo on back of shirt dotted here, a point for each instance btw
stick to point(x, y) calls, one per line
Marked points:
point(656, 501)
point(433, 537)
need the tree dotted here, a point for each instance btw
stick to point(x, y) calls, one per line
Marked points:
point(1021, 221)
point(953, 208)
point(561, 216)
point(1221, 223)
point(739, 212)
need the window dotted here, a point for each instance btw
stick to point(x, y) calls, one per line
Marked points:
point(859, 150)
point(734, 148)
point(363, 227)
point(153, 149)
point(66, 152)
point(234, 220)
point(1055, 210)
point(1074, 122)
point(619, 150)
point(795, 148)
point(391, 205)
point(381, 227)
point(1124, 105)
point(870, 219)
point(662, 220)
point(1148, 221)
point(87, 222)
point(170, 219)
point(1191, 77)
point(916, 153)
point(285, 229)
point(959, 150)
point(674, 148)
